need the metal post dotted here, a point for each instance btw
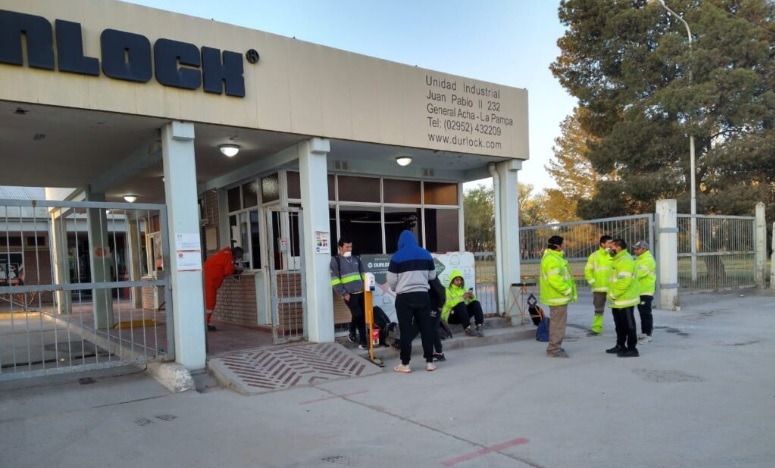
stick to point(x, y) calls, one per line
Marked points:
point(692, 168)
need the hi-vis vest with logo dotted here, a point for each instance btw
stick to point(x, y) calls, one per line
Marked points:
point(623, 288)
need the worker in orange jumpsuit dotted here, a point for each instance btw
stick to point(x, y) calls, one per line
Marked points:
point(217, 267)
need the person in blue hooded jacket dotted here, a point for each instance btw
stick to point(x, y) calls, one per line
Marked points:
point(409, 271)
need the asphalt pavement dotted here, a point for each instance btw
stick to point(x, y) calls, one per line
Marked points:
point(702, 394)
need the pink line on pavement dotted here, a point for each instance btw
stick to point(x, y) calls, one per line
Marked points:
point(345, 395)
point(485, 451)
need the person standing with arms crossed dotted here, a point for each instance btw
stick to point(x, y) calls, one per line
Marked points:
point(217, 267)
point(409, 271)
point(347, 283)
point(623, 295)
point(647, 280)
point(557, 291)
point(596, 272)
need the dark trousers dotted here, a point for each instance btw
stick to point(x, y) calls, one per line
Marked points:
point(463, 313)
point(356, 306)
point(435, 325)
point(624, 319)
point(414, 306)
point(646, 319)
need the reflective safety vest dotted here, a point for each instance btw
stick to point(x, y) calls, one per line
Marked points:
point(646, 273)
point(556, 280)
point(598, 270)
point(623, 289)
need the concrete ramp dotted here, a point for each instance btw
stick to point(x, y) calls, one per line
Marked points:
point(263, 370)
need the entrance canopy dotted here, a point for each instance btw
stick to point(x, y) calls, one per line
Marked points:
point(86, 86)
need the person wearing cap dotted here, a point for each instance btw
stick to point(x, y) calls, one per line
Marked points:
point(596, 271)
point(623, 295)
point(557, 291)
point(646, 274)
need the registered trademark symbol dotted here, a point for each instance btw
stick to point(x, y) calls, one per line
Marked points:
point(252, 56)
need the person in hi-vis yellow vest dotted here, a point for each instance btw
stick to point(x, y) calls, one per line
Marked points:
point(596, 272)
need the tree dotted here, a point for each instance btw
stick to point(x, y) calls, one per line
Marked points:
point(643, 91)
point(571, 170)
point(479, 225)
point(478, 205)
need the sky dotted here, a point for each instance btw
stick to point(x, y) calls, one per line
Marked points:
point(508, 42)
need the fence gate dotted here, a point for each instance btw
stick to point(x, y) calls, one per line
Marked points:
point(719, 255)
point(286, 273)
point(74, 279)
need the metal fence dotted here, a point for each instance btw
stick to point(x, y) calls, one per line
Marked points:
point(724, 254)
point(581, 238)
point(81, 286)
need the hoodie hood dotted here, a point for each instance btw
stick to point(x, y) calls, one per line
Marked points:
point(406, 239)
point(455, 274)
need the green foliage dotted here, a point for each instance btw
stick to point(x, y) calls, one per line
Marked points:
point(643, 89)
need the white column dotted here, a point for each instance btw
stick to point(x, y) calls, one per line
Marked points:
point(760, 246)
point(180, 191)
point(314, 201)
point(60, 259)
point(133, 260)
point(99, 262)
point(507, 253)
point(667, 254)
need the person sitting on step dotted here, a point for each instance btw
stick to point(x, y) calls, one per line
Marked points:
point(462, 304)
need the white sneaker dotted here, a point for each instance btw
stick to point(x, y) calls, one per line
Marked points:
point(403, 369)
point(641, 336)
point(430, 367)
point(643, 339)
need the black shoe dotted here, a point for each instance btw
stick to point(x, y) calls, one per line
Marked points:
point(616, 349)
point(628, 353)
point(211, 327)
point(439, 357)
point(353, 339)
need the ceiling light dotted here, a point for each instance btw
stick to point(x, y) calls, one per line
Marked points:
point(404, 160)
point(130, 198)
point(229, 150)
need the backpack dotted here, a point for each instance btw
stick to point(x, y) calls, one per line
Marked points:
point(535, 310)
point(385, 326)
point(542, 332)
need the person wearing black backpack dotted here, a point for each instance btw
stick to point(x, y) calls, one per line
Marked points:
point(347, 283)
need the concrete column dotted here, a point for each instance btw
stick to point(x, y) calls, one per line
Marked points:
point(133, 261)
point(100, 260)
point(760, 246)
point(60, 259)
point(507, 256)
point(314, 201)
point(667, 254)
point(180, 190)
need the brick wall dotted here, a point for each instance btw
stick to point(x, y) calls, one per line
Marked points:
point(237, 301)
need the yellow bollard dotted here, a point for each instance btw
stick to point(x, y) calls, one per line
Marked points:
point(368, 304)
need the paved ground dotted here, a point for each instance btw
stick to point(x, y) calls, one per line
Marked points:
point(701, 395)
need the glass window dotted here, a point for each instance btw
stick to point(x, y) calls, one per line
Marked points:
point(234, 199)
point(364, 226)
point(441, 230)
point(396, 221)
point(437, 193)
point(402, 191)
point(331, 187)
point(359, 189)
point(270, 188)
point(250, 194)
point(294, 185)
